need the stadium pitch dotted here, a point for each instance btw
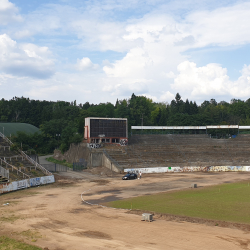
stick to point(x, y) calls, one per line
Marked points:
point(55, 217)
point(226, 202)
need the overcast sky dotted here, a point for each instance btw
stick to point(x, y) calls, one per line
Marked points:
point(99, 51)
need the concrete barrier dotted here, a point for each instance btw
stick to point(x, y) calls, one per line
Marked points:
point(32, 182)
point(190, 169)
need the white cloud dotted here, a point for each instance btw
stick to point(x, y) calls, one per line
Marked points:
point(61, 86)
point(162, 43)
point(170, 74)
point(150, 48)
point(206, 80)
point(150, 61)
point(85, 64)
point(126, 87)
point(25, 59)
point(132, 65)
point(153, 98)
point(167, 97)
point(241, 87)
point(8, 13)
point(210, 80)
point(221, 27)
point(102, 35)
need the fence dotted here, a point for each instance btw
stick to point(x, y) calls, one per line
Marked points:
point(55, 167)
point(79, 166)
point(13, 168)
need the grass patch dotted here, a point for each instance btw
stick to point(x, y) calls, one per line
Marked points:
point(9, 197)
point(226, 202)
point(11, 244)
point(64, 162)
point(36, 173)
point(31, 235)
point(9, 219)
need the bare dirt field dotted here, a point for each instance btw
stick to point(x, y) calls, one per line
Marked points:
point(55, 217)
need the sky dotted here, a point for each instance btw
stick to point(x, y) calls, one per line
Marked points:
point(101, 51)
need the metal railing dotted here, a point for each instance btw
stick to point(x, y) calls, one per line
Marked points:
point(13, 167)
point(45, 171)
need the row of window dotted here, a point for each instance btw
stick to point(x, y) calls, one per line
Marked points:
point(105, 140)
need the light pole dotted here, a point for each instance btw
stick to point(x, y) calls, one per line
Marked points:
point(58, 137)
point(141, 121)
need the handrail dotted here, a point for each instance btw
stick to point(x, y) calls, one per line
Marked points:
point(45, 171)
point(2, 160)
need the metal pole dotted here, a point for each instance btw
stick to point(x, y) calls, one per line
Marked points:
point(111, 170)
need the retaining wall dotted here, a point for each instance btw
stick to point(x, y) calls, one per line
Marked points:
point(74, 154)
point(32, 182)
point(93, 157)
point(96, 159)
point(106, 162)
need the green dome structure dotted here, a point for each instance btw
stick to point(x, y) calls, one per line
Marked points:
point(9, 129)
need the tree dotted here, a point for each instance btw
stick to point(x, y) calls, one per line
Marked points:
point(177, 105)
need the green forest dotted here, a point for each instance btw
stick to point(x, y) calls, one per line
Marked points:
point(61, 123)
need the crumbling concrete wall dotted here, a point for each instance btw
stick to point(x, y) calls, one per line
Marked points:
point(74, 154)
point(94, 157)
point(110, 165)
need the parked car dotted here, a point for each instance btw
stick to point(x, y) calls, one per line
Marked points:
point(129, 176)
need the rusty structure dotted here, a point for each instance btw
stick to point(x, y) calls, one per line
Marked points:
point(105, 130)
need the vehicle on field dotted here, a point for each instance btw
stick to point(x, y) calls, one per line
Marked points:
point(129, 176)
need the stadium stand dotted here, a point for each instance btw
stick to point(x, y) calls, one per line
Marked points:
point(182, 150)
point(16, 165)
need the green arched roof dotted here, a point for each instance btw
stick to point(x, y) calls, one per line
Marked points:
point(11, 128)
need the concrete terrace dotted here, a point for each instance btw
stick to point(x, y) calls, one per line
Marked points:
point(182, 150)
point(19, 167)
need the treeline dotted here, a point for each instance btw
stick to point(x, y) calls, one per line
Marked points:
point(62, 123)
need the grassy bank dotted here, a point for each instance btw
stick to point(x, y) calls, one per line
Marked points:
point(227, 202)
point(64, 162)
point(8, 243)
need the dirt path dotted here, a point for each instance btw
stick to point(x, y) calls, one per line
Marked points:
point(42, 159)
point(54, 217)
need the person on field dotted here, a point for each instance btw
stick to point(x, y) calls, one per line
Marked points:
point(140, 175)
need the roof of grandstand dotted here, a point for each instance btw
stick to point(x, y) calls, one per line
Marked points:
point(192, 127)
